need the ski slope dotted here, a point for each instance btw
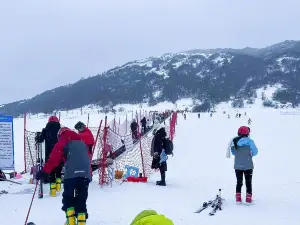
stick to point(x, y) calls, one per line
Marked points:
point(196, 172)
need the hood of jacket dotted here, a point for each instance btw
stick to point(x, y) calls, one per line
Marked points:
point(143, 214)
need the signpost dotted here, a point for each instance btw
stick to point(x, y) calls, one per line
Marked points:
point(7, 161)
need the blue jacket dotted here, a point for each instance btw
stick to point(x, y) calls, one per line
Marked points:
point(244, 152)
point(245, 141)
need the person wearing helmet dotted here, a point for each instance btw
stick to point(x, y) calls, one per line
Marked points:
point(86, 136)
point(74, 153)
point(243, 148)
point(49, 135)
point(151, 217)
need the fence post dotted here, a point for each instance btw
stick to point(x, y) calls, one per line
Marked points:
point(103, 158)
point(25, 121)
point(96, 140)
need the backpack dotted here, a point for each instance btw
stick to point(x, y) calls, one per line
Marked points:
point(169, 147)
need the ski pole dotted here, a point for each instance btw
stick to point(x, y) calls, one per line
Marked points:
point(10, 181)
point(31, 202)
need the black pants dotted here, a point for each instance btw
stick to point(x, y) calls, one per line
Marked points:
point(75, 194)
point(248, 177)
point(162, 170)
point(56, 173)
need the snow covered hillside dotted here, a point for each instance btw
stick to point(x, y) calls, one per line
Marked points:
point(195, 173)
point(210, 76)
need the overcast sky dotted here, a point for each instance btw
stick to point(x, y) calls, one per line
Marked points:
point(50, 43)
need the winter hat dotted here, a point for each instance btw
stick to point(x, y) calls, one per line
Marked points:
point(243, 131)
point(53, 119)
point(79, 125)
point(61, 131)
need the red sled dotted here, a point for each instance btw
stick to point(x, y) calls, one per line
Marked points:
point(137, 179)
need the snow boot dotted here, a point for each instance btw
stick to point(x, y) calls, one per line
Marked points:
point(58, 184)
point(81, 219)
point(238, 198)
point(249, 199)
point(53, 189)
point(161, 183)
point(70, 214)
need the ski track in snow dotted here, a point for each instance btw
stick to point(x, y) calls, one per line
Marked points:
point(196, 172)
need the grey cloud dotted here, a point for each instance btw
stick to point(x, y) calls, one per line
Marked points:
point(45, 44)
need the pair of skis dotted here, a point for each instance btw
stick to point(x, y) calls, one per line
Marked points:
point(215, 204)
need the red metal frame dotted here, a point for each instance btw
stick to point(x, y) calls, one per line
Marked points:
point(142, 157)
point(102, 168)
point(97, 136)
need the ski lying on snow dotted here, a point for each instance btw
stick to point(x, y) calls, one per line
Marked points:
point(216, 204)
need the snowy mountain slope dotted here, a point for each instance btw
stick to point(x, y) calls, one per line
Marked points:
point(212, 76)
point(196, 172)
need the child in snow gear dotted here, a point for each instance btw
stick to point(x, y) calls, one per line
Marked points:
point(86, 136)
point(159, 156)
point(49, 135)
point(134, 130)
point(150, 217)
point(249, 121)
point(144, 125)
point(74, 153)
point(243, 148)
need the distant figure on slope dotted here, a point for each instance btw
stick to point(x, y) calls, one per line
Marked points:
point(199, 115)
point(49, 135)
point(144, 125)
point(148, 124)
point(134, 130)
point(228, 116)
point(184, 116)
point(249, 121)
point(243, 148)
point(71, 150)
point(211, 114)
point(159, 156)
point(86, 135)
point(240, 115)
point(237, 115)
point(150, 217)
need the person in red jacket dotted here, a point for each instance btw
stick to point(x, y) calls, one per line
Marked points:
point(71, 150)
point(86, 136)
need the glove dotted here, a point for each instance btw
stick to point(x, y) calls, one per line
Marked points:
point(41, 175)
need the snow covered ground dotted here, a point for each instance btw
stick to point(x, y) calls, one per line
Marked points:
point(196, 172)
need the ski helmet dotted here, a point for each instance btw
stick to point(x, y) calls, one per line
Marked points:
point(62, 130)
point(79, 126)
point(243, 130)
point(53, 119)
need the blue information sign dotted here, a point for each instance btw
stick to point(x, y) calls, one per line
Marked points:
point(7, 161)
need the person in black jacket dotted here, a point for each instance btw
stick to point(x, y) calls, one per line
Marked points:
point(49, 135)
point(144, 125)
point(134, 129)
point(159, 157)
